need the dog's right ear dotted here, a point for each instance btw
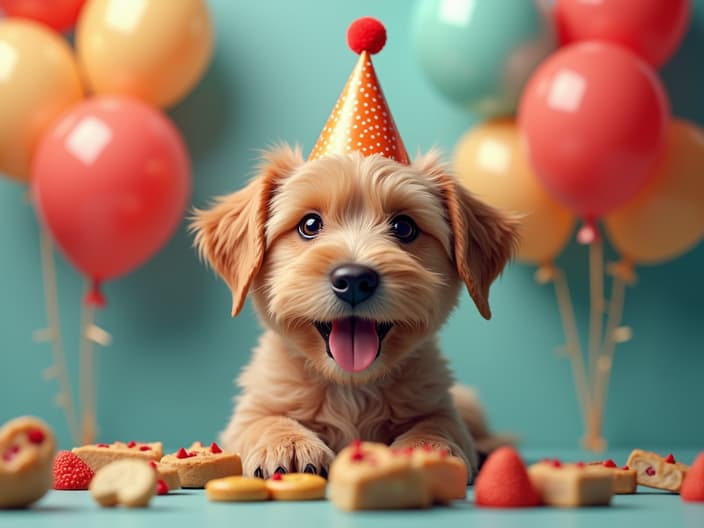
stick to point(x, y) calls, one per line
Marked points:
point(230, 236)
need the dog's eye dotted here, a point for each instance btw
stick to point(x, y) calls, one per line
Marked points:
point(310, 225)
point(404, 228)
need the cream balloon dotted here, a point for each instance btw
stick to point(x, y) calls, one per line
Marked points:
point(666, 218)
point(491, 162)
point(39, 79)
point(154, 50)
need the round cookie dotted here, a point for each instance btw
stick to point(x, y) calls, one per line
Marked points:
point(237, 489)
point(27, 448)
point(296, 486)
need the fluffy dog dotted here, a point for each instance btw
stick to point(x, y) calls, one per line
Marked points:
point(353, 264)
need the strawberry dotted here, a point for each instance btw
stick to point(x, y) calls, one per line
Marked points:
point(70, 472)
point(693, 486)
point(503, 482)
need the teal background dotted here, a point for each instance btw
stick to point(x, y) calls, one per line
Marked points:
point(278, 69)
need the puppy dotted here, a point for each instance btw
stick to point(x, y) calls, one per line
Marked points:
point(353, 264)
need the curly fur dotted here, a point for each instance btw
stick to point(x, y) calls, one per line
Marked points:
point(297, 406)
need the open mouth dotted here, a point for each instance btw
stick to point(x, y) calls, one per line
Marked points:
point(353, 343)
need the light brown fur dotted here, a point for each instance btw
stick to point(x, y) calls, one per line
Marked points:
point(297, 406)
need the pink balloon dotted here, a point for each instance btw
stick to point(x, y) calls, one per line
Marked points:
point(111, 180)
point(594, 119)
point(653, 29)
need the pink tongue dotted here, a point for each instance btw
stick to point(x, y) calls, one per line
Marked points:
point(354, 343)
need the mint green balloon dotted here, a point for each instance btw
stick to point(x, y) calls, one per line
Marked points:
point(480, 53)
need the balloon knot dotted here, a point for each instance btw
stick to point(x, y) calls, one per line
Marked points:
point(588, 233)
point(95, 297)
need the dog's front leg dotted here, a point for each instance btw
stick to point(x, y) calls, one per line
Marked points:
point(272, 444)
point(442, 431)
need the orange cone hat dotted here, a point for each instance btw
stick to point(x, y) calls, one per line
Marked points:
point(361, 120)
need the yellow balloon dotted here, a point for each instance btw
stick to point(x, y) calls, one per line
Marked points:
point(666, 218)
point(154, 50)
point(491, 162)
point(39, 79)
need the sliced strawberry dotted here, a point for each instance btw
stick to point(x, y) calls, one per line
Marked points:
point(70, 472)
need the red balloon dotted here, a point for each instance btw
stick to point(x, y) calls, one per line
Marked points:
point(59, 15)
point(653, 29)
point(594, 118)
point(111, 180)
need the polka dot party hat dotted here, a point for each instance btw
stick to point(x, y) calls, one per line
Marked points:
point(361, 120)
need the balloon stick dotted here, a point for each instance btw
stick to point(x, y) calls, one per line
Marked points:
point(87, 373)
point(551, 273)
point(53, 333)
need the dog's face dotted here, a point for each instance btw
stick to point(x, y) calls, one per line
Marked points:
point(354, 260)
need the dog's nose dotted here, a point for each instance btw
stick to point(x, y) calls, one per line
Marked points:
point(354, 283)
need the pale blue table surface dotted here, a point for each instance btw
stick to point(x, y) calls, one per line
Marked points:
point(190, 508)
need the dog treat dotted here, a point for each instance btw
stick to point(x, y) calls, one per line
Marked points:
point(70, 472)
point(199, 465)
point(655, 471)
point(367, 476)
point(100, 455)
point(166, 474)
point(503, 482)
point(693, 486)
point(446, 474)
point(572, 485)
point(296, 486)
point(27, 448)
point(237, 489)
point(126, 482)
point(625, 478)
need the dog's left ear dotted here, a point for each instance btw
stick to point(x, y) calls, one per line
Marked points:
point(231, 235)
point(483, 239)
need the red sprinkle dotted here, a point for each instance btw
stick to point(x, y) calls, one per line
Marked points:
point(162, 487)
point(444, 453)
point(428, 448)
point(145, 448)
point(625, 467)
point(35, 436)
point(10, 453)
point(103, 445)
point(276, 476)
point(556, 463)
point(357, 444)
point(182, 453)
point(650, 471)
point(215, 449)
point(580, 465)
point(357, 456)
point(152, 464)
point(131, 444)
point(408, 451)
point(610, 463)
point(670, 459)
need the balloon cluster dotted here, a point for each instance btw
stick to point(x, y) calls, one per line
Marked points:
point(579, 127)
point(109, 173)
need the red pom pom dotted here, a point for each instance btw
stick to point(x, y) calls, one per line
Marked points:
point(503, 482)
point(693, 486)
point(366, 34)
point(670, 459)
point(70, 472)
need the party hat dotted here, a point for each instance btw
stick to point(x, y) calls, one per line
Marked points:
point(361, 120)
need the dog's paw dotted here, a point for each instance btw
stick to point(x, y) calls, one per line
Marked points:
point(293, 454)
point(419, 442)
